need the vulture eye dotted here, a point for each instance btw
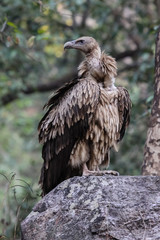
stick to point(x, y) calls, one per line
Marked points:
point(80, 41)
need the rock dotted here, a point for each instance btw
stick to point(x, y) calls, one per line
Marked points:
point(106, 207)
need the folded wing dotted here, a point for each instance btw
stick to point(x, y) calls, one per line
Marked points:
point(124, 109)
point(69, 114)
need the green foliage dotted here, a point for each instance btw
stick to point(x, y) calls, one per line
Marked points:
point(17, 199)
point(32, 34)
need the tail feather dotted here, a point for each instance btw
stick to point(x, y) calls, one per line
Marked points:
point(56, 169)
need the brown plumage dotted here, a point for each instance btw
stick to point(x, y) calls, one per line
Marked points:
point(85, 118)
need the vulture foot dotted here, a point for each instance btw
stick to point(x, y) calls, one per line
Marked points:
point(87, 172)
point(111, 172)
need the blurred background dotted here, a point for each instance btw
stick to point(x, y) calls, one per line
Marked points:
point(33, 64)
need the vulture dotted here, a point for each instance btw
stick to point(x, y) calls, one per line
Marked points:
point(84, 119)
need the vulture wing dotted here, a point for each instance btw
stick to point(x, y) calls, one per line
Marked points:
point(69, 114)
point(124, 108)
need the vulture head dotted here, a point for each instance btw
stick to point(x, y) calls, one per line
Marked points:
point(84, 44)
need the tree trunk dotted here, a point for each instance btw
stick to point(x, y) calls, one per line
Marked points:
point(151, 164)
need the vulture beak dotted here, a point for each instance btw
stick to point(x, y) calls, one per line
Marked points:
point(69, 45)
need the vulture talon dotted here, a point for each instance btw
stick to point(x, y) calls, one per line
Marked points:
point(111, 172)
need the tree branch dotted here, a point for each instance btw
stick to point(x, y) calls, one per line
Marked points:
point(85, 14)
point(127, 53)
point(63, 25)
point(43, 87)
point(129, 68)
point(56, 83)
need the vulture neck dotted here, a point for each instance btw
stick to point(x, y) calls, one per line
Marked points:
point(100, 67)
point(96, 53)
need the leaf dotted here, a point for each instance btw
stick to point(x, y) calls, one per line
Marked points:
point(30, 41)
point(43, 29)
point(11, 24)
point(17, 40)
point(149, 99)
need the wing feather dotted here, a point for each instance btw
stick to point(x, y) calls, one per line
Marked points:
point(67, 120)
point(124, 109)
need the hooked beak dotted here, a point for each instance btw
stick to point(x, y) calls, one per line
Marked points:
point(69, 45)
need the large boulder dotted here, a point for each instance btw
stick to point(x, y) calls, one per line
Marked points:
point(105, 207)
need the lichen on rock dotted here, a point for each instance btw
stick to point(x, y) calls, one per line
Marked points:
point(105, 207)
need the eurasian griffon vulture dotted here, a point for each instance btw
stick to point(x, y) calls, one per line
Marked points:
point(85, 118)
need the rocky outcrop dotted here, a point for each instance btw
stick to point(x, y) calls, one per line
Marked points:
point(106, 207)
